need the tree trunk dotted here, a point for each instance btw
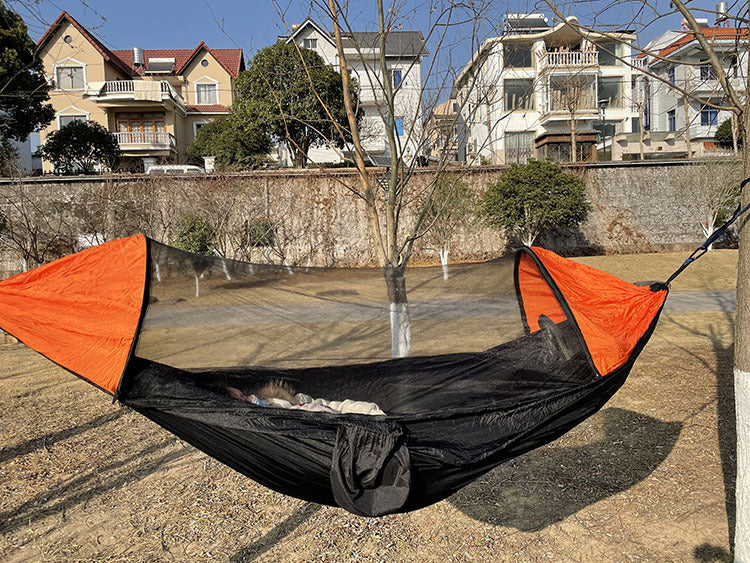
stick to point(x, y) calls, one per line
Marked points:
point(197, 286)
point(742, 372)
point(688, 146)
point(641, 131)
point(444, 260)
point(226, 269)
point(735, 145)
point(573, 150)
point(157, 270)
point(707, 227)
point(399, 312)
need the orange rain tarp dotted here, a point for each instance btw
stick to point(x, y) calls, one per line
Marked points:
point(612, 314)
point(81, 311)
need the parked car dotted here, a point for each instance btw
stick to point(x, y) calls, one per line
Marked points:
point(175, 169)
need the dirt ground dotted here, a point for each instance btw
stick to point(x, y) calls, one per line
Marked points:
point(649, 478)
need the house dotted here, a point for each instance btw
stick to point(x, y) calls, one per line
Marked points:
point(440, 132)
point(532, 91)
point(682, 124)
point(404, 53)
point(153, 100)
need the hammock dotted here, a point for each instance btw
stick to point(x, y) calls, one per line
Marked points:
point(507, 356)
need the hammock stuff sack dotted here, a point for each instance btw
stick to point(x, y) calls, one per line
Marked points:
point(505, 356)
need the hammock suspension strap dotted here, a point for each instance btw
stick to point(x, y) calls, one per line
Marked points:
point(702, 249)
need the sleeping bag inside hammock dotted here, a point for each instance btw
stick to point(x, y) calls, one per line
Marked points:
point(506, 356)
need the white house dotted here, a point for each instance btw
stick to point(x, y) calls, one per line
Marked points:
point(526, 93)
point(680, 103)
point(404, 52)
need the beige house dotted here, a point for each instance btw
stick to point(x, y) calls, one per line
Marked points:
point(153, 100)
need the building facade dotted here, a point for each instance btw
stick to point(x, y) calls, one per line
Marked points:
point(533, 90)
point(684, 97)
point(153, 101)
point(404, 53)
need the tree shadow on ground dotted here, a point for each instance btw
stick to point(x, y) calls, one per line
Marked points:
point(278, 533)
point(707, 553)
point(90, 484)
point(549, 484)
point(54, 437)
point(725, 409)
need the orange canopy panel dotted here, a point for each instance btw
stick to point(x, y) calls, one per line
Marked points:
point(81, 311)
point(612, 314)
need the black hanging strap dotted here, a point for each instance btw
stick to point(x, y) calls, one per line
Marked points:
point(702, 249)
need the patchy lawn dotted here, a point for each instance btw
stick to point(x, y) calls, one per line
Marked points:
point(649, 477)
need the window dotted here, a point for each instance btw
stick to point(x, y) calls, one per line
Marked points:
point(608, 53)
point(310, 43)
point(608, 127)
point(671, 75)
point(65, 119)
point(707, 72)
point(204, 62)
point(572, 93)
point(69, 78)
point(399, 126)
point(207, 94)
point(197, 126)
point(636, 125)
point(610, 92)
point(517, 55)
point(519, 94)
point(671, 121)
point(519, 147)
point(709, 116)
point(396, 77)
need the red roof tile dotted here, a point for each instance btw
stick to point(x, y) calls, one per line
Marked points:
point(213, 108)
point(231, 59)
point(108, 55)
point(711, 34)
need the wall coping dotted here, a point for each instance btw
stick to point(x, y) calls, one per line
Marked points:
point(314, 172)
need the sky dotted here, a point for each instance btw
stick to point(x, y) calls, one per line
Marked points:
point(253, 24)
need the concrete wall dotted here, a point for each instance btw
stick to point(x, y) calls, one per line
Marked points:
point(636, 208)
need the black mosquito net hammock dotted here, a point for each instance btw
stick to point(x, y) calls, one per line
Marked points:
point(285, 374)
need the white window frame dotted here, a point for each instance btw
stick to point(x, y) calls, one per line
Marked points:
point(311, 40)
point(206, 81)
point(70, 111)
point(68, 63)
point(195, 127)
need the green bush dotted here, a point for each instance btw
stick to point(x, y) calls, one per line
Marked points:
point(194, 234)
point(531, 199)
point(723, 135)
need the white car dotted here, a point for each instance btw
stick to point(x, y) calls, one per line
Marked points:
point(175, 169)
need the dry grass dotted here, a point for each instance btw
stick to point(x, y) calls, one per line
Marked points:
point(648, 478)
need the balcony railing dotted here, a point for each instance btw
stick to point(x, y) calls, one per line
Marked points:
point(146, 139)
point(569, 58)
point(128, 88)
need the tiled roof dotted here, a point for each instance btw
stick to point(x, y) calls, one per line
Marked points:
point(213, 108)
point(231, 59)
point(108, 55)
point(711, 34)
point(397, 43)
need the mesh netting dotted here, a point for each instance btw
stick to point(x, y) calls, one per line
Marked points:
point(327, 332)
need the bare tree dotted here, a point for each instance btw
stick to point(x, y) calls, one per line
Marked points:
point(395, 206)
point(710, 190)
point(733, 87)
point(36, 223)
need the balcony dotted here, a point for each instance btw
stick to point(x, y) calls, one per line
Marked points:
point(126, 92)
point(568, 59)
point(146, 141)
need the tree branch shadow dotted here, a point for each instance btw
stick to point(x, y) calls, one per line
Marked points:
point(549, 484)
point(277, 533)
